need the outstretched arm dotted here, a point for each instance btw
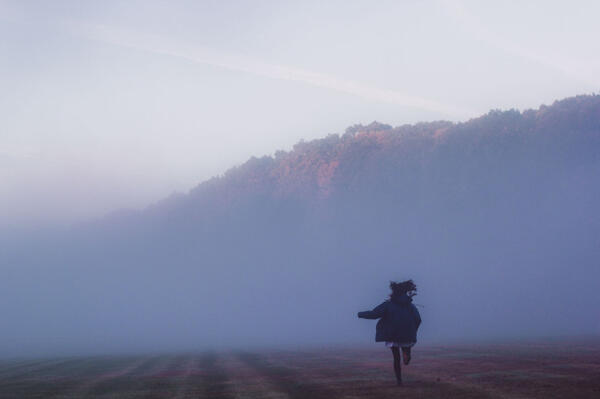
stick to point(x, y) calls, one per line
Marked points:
point(376, 313)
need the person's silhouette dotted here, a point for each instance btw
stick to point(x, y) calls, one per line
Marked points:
point(398, 322)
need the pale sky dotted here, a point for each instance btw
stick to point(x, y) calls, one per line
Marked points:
point(107, 105)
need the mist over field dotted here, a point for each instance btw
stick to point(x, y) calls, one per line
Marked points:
point(198, 197)
point(496, 219)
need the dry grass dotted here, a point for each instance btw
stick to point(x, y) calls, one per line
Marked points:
point(543, 370)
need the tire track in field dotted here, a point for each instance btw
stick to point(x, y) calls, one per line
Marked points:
point(286, 379)
point(21, 370)
point(115, 370)
point(204, 377)
point(52, 380)
point(37, 369)
point(146, 377)
point(122, 381)
point(29, 381)
point(11, 366)
point(162, 380)
point(190, 368)
point(248, 383)
point(215, 380)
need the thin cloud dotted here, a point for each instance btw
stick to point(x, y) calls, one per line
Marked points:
point(203, 55)
point(567, 66)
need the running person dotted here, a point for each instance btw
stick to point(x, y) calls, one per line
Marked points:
point(398, 322)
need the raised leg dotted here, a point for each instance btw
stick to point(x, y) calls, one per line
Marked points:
point(406, 354)
point(397, 367)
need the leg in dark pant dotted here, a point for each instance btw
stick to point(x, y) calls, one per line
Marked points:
point(397, 367)
point(406, 354)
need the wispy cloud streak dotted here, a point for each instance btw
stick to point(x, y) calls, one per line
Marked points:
point(574, 69)
point(203, 55)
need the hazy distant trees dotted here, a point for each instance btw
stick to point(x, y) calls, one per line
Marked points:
point(496, 216)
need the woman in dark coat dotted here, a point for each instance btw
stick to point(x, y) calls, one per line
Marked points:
point(398, 322)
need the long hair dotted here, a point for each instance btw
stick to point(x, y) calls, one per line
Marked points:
point(407, 287)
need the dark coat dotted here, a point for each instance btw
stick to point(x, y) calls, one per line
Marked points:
point(399, 319)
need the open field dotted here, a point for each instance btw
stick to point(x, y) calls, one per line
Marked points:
point(542, 370)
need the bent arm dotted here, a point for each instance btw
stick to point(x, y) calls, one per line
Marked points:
point(376, 313)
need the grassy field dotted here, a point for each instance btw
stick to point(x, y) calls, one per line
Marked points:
point(543, 370)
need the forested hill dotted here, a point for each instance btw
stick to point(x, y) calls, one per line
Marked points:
point(487, 157)
point(497, 219)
